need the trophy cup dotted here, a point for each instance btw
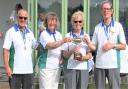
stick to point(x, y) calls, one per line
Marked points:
point(77, 41)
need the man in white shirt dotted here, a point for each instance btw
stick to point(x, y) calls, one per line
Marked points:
point(19, 68)
point(108, 39)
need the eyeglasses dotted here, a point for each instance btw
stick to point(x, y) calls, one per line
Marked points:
point(77, 21)
point(106, 9)
point(25, 18)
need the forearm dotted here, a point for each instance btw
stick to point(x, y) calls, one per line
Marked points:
point(6, 57)
point(119, 46)
point(87, 56)
point(91, 46)
point(67, 54)
point(53, 45)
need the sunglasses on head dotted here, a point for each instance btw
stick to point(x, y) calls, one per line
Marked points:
point(25, 18)
point(77, 21)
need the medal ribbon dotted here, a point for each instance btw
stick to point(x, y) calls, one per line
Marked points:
point(106, 30)
point(24, 37)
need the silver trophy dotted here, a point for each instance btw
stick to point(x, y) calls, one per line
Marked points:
point(77, 41)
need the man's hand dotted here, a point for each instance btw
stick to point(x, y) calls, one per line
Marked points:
point(9, 72)
point(107, 46)
point(1, 34)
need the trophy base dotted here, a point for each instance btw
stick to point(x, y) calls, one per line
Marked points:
point(77, 56)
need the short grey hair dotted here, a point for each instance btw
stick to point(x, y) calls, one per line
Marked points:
point(22, 10)
point(104, 2)
point(51, 15)
point(75, 15)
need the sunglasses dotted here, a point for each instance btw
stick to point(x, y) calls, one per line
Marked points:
point(25, 18)
point(77, 21)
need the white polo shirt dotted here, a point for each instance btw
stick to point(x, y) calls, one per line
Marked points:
point(22, 63)
point(124, 60)
point(49, 58)
point(106, 60)
point(71, 62)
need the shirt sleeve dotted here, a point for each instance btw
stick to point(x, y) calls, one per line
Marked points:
point(94, 37)
point(8, 40)
point(34, 42)
point(43, 39)
point(66, 45)
point(121, 35)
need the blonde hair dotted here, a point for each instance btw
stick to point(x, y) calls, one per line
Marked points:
point(75, 15)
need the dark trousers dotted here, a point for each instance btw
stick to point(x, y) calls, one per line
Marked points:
point(21, 81)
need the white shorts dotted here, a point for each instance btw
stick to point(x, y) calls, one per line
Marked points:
point(49, 78)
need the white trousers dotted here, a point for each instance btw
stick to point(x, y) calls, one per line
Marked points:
point(49, 78)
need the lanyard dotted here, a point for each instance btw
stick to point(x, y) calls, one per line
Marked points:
point(107, 31)
point(23, 36)
point(107, 28)
point(54, 37)
point(22, 33)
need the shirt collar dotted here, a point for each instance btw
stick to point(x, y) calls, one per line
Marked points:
point(111, 24)
point(49, 32)
point(74, 35)
point(17, 28)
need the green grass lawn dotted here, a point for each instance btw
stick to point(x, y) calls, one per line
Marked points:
point(92, 86)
